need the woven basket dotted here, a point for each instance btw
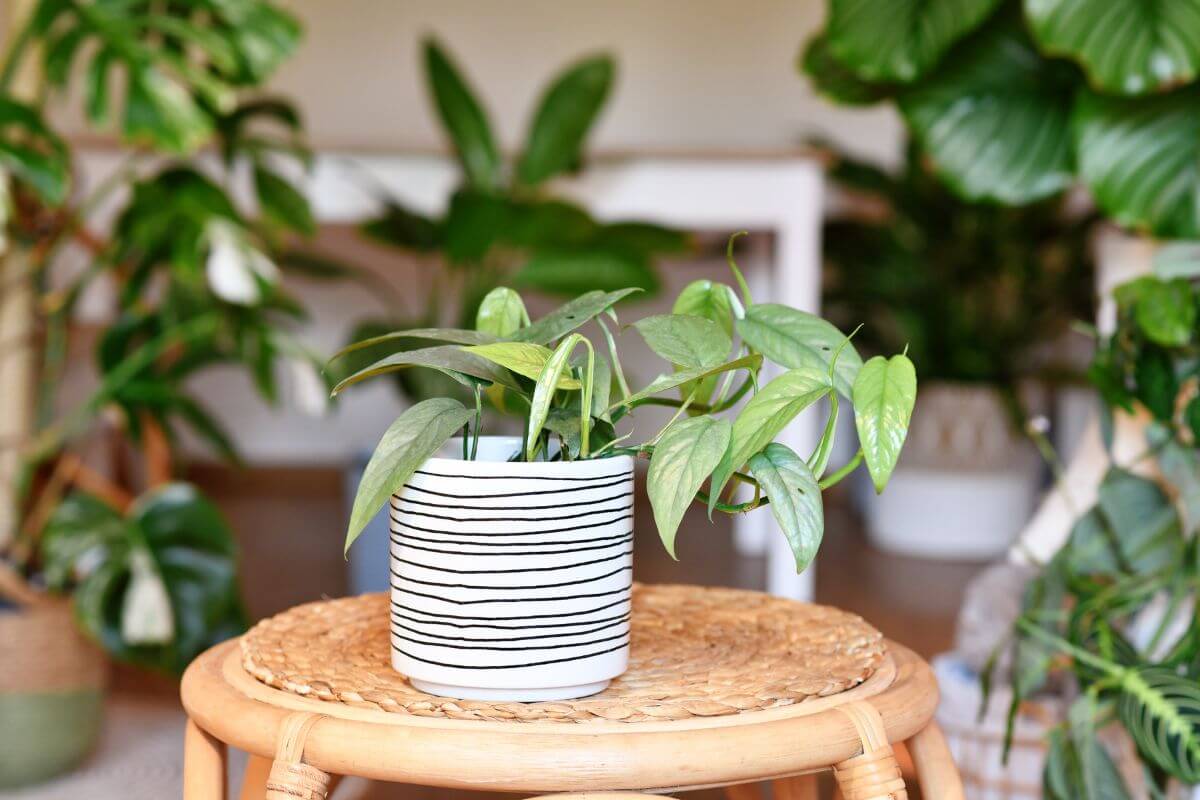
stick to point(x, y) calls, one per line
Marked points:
point(51, 688)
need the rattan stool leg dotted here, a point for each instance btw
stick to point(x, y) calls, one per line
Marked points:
point(254, 781)
point(873, 775)
point(203, 765)
point(935, 766)
point(290, 777)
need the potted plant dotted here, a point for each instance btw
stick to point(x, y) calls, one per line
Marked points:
point(1112, 616)
point(511, 557)
point(101, 548)
point(504, 223)
point(979, 293)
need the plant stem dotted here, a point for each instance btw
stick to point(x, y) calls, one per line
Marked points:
point(834, 478)
point(732, 508)
point(1078, 653)
point(478, 420)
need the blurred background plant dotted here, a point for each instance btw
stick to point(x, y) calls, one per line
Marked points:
point(189, 279)
point(505, 223)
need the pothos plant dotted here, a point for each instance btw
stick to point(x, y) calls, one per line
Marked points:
point(149, 562)
point(504, 222)
point(716, 343)
point(1115, 609)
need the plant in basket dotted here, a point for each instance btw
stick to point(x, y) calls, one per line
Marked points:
point(511, 557)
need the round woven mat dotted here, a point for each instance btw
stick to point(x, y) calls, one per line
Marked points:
point(695, 652)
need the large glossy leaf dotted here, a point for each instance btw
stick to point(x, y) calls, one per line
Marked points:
point(799, 340)
point(563, 118)
point(1140, 157)
point(450, 360)
point(570, 316)
point(683, 458)
point(670, 381)
point(685, 340)
point(765, 416)
point(282, 203)
point(570, 272)
point(1161, 711)
point(501, 312)
point(1144, 47)
point(523, 358)
point(463, 118)
point(834, 79)
point(408, 442)
point(884, 394)
point(795, 499)
point(901, 39)
point(1144, 522)
point(994, 118)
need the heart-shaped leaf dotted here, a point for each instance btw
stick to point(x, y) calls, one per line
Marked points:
point(765, 415)
point(685, 340)
point(795, 499)
point(406, 445)
point(564, 116)
point(1144, 48)
point(683, 458)
point(799, 340)
point(901, 39)
point(884, 394)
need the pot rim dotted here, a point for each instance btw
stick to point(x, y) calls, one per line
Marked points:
point(456, 467)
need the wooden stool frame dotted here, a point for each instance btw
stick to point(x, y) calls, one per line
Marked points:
point(298, 744)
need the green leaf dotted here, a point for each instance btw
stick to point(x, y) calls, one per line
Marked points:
point(1156, 384)
point(1166, 312)
point(463, 118)
point(1098, 777)
point(522, 358)
point(834, 79)
point(449, 360)
point(1145, 47)
point(799, 340)
point(548, 383)
point(570, 272)
point(501, 312)
point(474, 222)
point(162, 113)
point(451, 335)
point(644, 238)
point(96, 89)
point(708, 299)
point(901, 39)
point(570, 316)
point(662, 383)
point(795, 499)
point(399, 226)
point(685, 340)
point(564, 116)
point(683, 458)
point(765, 416)
point(408, 443)
point(884, 394)
point(1161, 711)
point(1140, 157)
point(282, 203)
point(1144, 522)
point(994, 119)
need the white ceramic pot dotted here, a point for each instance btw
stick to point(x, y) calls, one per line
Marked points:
point(512, 580)
point(966, 483)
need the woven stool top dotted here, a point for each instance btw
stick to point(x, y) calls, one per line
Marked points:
point(695, 652)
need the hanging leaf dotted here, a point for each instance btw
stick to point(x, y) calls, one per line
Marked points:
point(799, 340)
point(884, 394)
point(1140, 157)
point(685, 340)
point(901, 39)
point(463, 118)
point(683, 458)
point(406, 445)
point(795, 499)
point(994, 119)
point(564, 116)
point(1146, 47)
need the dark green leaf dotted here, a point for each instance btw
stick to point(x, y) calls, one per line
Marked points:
point(462, 117)
point(834, 79)
point(563, 118)
point(160, 112)
point(401, 227)
point(570, 272)
point(1166, 312)
point(474, 222)
point(282, 203)
point(1161, 711)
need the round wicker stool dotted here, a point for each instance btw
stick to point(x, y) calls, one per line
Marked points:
point(725, 688)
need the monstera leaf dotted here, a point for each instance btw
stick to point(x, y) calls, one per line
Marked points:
point(155, 586)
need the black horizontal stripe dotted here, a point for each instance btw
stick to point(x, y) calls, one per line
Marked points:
point(627, 477)
point(580, 657)
point(547, 518)
point(516, 649)
point(510, 571)
point(556, 598)
point(562, 615)
point(396, 625)
point(522, 588)
point(618, 618)
point(613, 541)
point(525, 477)
point(428, 504)
point(512, 533)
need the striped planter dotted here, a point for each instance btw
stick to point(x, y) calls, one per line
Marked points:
point(510, 580)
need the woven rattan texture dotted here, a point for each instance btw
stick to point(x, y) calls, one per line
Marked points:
point(695, 652)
